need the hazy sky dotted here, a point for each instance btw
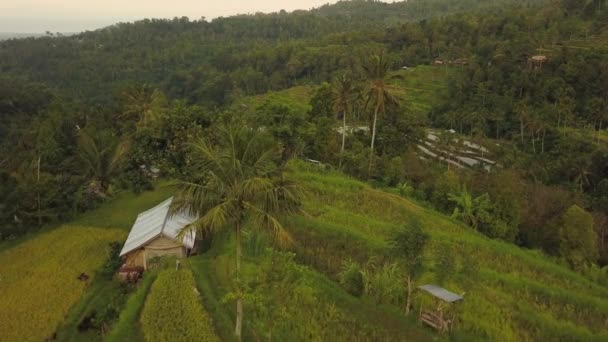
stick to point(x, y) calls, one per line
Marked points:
point(31, 16)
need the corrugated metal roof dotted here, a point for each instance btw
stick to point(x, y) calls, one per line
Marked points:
point(155, 222)
point(441, 293)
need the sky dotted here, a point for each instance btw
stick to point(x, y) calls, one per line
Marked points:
point(39, 16)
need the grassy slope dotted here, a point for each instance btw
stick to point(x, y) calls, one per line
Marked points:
point(515, 294)
point(420, 87)
point(120, 213)
point(38, 278)
point(127, 328)
point(296, 98)
point(214, 270)
point(36, 251)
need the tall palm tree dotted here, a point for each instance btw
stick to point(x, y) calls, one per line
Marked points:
point(102, 156)
point(344, 95)
point(237, 181)
point(378, 94)
point(144, 104)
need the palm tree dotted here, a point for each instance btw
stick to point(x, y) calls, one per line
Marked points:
point(582, 173)
point(102, 156)
point(378, 94)
point(344, 94)
point(144, 104)
point(238, 181)
point(522, 111)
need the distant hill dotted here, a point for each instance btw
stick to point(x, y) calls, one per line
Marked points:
point(20, 35)
point(412, 10)
point(11, 35)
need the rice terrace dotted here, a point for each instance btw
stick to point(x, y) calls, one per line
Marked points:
point(422, 170)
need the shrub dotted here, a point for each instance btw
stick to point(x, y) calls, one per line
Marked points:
point(578, 244)
point(384, 283)
point(126, 327)
point(39, 279)
point(173, 311)
point(351, 278)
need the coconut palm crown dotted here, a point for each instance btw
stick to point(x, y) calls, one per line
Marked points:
point(237, 183)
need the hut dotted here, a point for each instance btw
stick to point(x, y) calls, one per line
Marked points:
point(537, 61)
point(437, 317)
point(156, 233)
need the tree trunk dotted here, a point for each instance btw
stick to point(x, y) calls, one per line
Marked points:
point(343, 137)
point(542, 148)
point(521, 130)
point(38, 193)
point(409, 295)
point(371, 149)
point(239, 301)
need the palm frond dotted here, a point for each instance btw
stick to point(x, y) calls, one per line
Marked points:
point(261, 218)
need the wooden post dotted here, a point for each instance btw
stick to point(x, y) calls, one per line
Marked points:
point(145, 260)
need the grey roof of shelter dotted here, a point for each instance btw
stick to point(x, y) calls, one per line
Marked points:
point(441, 293)
point(156, 222)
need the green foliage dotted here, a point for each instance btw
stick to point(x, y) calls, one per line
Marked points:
point(447, 183)
point(578, 244)
point(350, 220)
point(405, 190)
point(384, 282)
point(351, 278)
point(126, 328)
point(173, 311)
point(445, 263)
point(240, 180)
point(408, 246)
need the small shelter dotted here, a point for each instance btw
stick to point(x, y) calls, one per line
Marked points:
point(156, 233)
point(437, 317)
point(537, 61)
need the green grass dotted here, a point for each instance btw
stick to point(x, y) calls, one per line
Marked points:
point(122, 211)
point(214, 276)
point(420, 87)
point(127, 328)
point(348, 219)
point(101, 293)
point(589, 135)
point(296, 98)
point(515, 294)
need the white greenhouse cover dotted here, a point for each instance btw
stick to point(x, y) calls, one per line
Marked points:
point(158, 221)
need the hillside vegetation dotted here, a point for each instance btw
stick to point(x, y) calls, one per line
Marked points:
point(510, 294)
point(467, 150)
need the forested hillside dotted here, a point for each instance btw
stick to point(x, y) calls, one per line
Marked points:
point(494, 113)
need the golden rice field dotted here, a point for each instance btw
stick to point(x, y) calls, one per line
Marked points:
point(174, 312)
point(38, 278)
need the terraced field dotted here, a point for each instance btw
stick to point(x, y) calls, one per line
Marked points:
point(39, 278)
point(510, 294)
